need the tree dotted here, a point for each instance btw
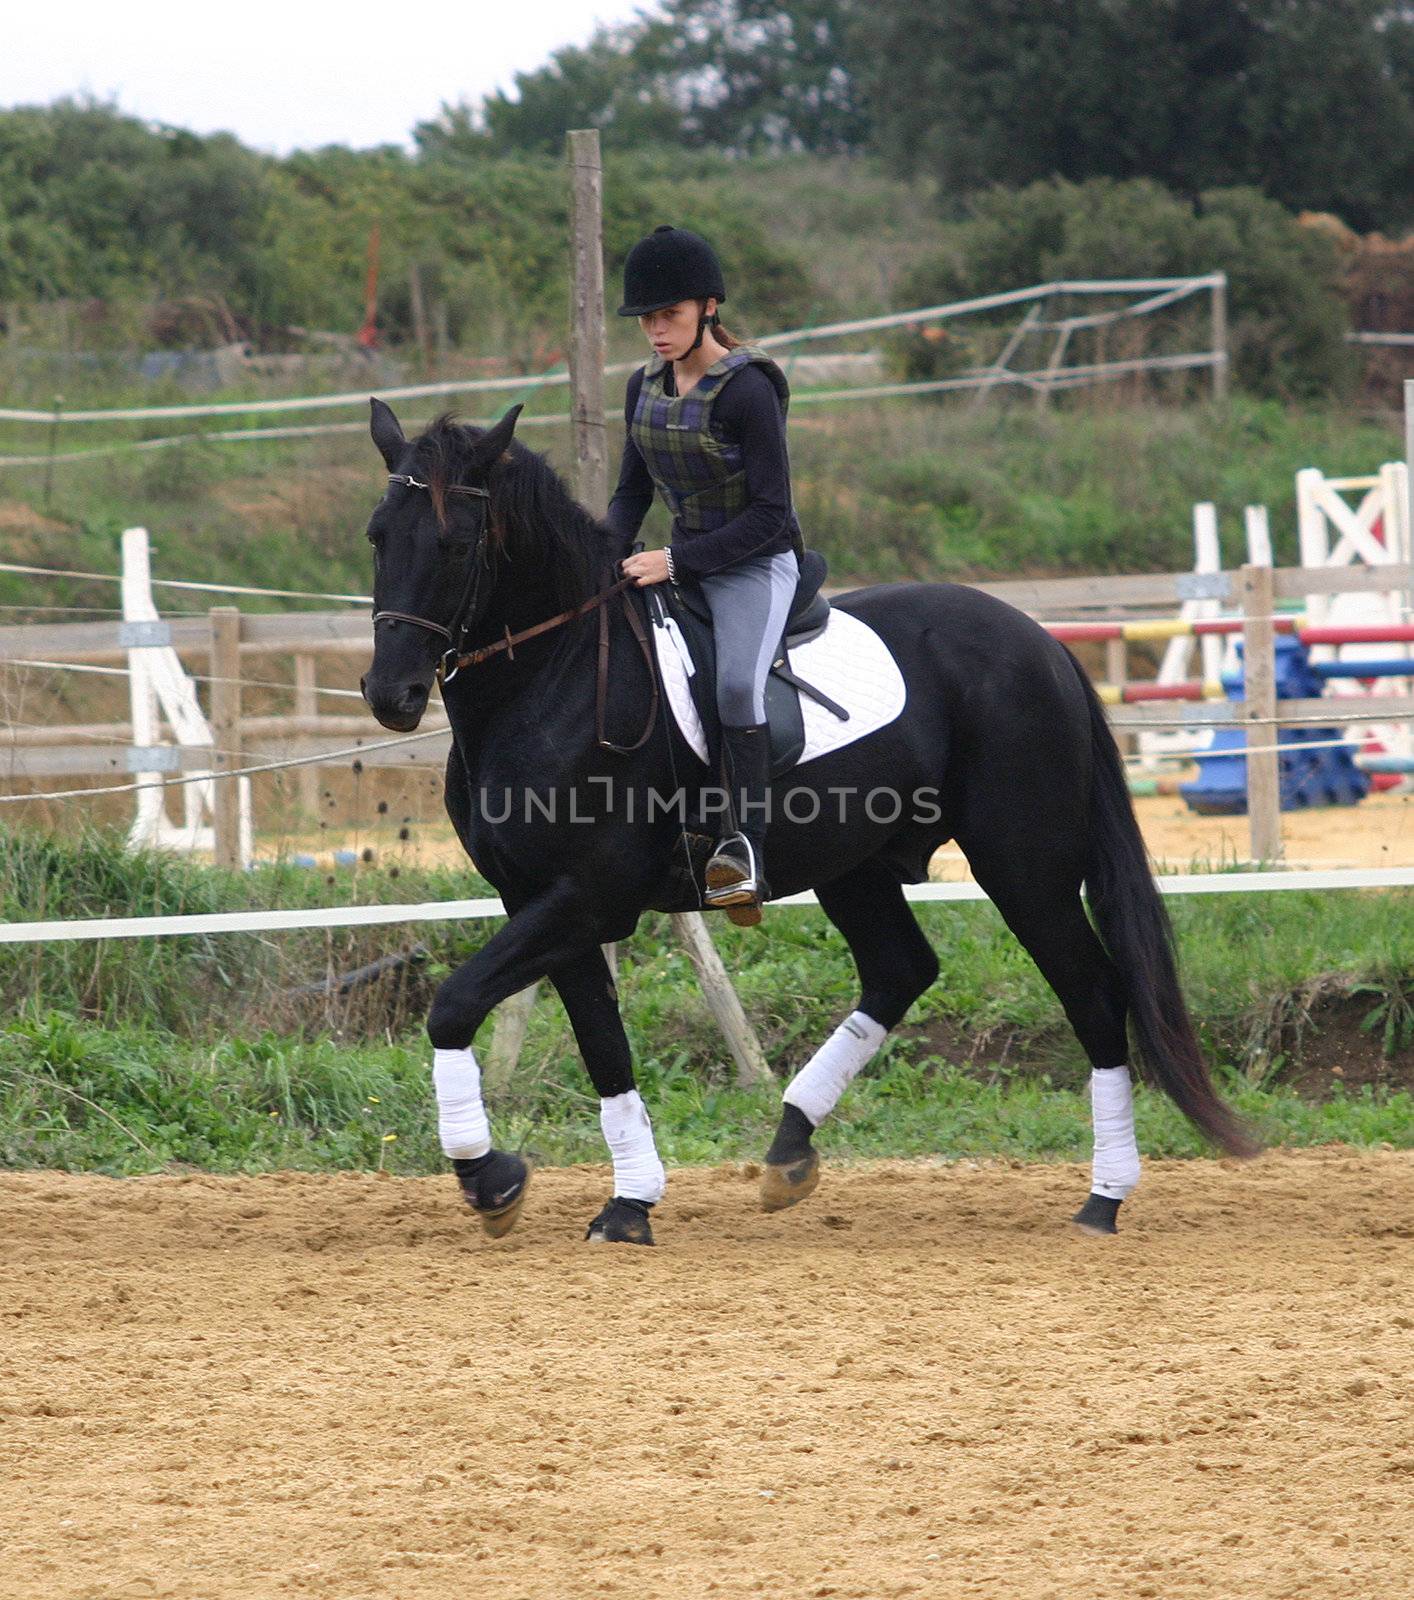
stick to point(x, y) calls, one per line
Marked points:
point(766, 74)
point(610, 84)
point(1309, 100)
point(91, 199)
point(735, 75)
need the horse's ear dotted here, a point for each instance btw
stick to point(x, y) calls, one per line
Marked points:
point(490, 446)
point(387, 432)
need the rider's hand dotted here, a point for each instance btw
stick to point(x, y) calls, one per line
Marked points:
point(648, 566)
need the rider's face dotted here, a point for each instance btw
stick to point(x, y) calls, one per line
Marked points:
point(673, 330)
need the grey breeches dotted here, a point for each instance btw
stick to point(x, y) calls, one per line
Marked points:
point(749, 603)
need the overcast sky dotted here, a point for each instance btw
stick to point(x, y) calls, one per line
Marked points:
point(285, 74)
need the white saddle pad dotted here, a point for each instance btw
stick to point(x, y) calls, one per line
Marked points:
point(848, 661)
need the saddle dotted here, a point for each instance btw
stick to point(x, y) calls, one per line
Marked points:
point(808, 616)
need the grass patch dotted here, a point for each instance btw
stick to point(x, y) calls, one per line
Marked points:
point(898, 489)
point(133, 1055)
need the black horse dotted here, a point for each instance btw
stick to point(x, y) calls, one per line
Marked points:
point(1002, 746)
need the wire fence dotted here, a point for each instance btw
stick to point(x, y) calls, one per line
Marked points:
point(1154, 296)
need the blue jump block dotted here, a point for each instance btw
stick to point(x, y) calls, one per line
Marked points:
point(1307, 777)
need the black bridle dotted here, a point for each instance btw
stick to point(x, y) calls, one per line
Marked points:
point(456, 655)
point(455, 634)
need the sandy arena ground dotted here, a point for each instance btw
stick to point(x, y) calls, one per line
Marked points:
point(1377, 833)
point(918, 1384)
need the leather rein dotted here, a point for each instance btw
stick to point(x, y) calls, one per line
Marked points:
point(455, 635)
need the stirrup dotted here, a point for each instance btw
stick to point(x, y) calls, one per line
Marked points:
point(733, 881)
point(732, 874)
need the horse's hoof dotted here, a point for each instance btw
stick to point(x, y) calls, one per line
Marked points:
point(788, 1184)
point(1097, 1217)
point(621, 1222)
point(496, 1191)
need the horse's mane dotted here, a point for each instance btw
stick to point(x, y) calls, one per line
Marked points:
point(535, 518)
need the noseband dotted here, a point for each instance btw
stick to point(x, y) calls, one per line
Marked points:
point(455, 635)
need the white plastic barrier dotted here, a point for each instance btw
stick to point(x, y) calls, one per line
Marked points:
point(1364, 521)
point(159, 688)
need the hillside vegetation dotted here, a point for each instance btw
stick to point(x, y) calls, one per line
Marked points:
point(886, 491)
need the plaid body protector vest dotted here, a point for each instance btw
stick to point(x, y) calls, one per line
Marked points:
point(700, 477)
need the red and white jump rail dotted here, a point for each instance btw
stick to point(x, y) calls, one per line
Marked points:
point(1149, 629)
point(1152, 629)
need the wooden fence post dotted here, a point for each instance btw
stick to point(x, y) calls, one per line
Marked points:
point(721, 998)
point(307, 705)
point(1219, 339)
point(587, 352)
point(591, 471)
point(1259, 706)
point(587, 339)
point(512, 1019)
point(1117, 673)
point(1409, 439)
point(226, 731)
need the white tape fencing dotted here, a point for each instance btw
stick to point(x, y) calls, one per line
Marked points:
point(471, 910)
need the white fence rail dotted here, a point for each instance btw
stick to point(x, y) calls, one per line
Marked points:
point(216, 922)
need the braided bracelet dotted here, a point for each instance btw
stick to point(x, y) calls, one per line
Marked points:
point(672, 570)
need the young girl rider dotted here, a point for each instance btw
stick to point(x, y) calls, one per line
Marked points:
point(706, 429)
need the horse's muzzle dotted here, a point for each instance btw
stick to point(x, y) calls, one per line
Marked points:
point(399, 707)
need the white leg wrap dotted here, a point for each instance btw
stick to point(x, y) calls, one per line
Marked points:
point(816, 1088)
point(461, 1117)
point(638, 1173)
point(1116, 1168)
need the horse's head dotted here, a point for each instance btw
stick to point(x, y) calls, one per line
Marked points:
point(431, 535)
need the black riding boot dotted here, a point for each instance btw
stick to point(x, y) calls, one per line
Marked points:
point(735, 872)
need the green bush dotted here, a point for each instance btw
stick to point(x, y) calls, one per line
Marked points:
point(94, 203)
point(1287, 320)
point(928, 351)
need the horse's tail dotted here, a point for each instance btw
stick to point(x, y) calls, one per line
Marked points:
point(1134, 925)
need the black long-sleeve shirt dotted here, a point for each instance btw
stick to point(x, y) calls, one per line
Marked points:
point(746, 413)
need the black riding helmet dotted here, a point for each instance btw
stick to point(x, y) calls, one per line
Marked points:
point(670, 265)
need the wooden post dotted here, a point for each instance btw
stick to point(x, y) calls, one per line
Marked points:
point(1409, 436)
point(1053, 363)
point(751, 1068)
point(1259, 706)
point(226, 731)
point(1219, 340)
point(591, 485)
point(307, 705)
point(1117, 673)
point(421, 331)
point(591, 469)
point(1408, 506)
point(512, 1019)
point(587, 340)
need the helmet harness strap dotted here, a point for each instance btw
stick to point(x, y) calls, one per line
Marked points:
point(704, 321)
